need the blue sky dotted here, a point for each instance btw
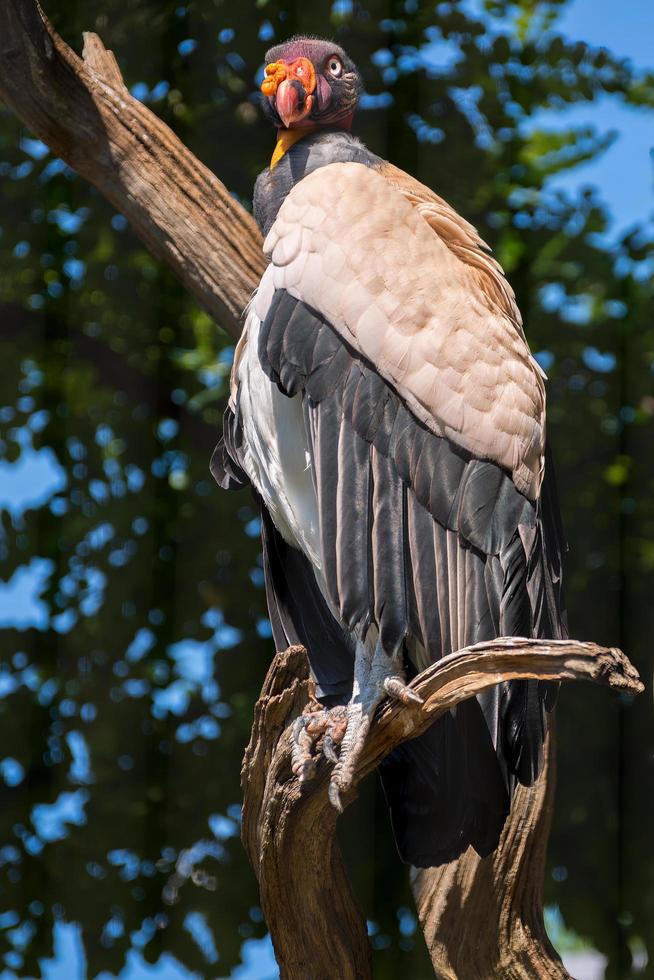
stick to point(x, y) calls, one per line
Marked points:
point(625, 173)
point(626, 27)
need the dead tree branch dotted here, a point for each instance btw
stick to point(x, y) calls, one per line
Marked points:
point(480, 918)
point(82, 110)
point(290, 835)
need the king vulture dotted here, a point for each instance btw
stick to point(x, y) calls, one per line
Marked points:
point(388, 415)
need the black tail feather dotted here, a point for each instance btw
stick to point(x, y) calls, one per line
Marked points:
point(445, 790)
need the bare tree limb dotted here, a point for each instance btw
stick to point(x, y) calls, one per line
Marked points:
point(469, 671)
point(289, 834)
point(176, 206)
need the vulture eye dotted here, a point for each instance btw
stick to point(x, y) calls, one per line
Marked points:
point(335, 66)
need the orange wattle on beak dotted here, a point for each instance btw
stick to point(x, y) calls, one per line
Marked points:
point(291, 85)
point(275, 73)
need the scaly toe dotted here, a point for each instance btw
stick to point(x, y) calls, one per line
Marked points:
point(399, 691)
point(303, 761)
point(334, 732)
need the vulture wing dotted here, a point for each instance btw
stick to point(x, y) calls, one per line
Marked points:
point(394, 333)
point(356, 249)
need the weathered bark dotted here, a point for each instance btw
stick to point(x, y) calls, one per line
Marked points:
point(317, 929)
point(481, 919)
point(176, 206)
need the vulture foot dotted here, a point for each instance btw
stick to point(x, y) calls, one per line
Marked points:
point(318, 731)
point(376, 676)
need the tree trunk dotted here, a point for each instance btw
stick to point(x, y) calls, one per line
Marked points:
point(316, 926)
point(480, 918)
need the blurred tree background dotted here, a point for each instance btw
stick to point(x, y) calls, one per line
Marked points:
point(135, 636)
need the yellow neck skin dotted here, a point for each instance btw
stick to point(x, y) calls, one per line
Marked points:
point(286, 138)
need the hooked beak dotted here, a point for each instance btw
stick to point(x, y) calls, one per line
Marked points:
point(291, 86)
point(292, 102)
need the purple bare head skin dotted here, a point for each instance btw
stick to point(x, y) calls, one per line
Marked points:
point(329, 99)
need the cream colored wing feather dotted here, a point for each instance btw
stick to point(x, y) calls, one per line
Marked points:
point(461, 237)
point(413, 292)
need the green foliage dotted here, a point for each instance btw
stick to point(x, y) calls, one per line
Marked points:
point(144, 643)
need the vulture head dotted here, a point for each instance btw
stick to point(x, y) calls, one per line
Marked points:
point(310, 82)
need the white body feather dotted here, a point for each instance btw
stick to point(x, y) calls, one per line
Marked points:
point(276, 456)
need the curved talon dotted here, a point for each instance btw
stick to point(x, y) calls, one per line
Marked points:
point(329, 748)
point(399, 691)
point(335, 796)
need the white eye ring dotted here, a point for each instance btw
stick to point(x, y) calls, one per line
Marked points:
point(335, 67)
